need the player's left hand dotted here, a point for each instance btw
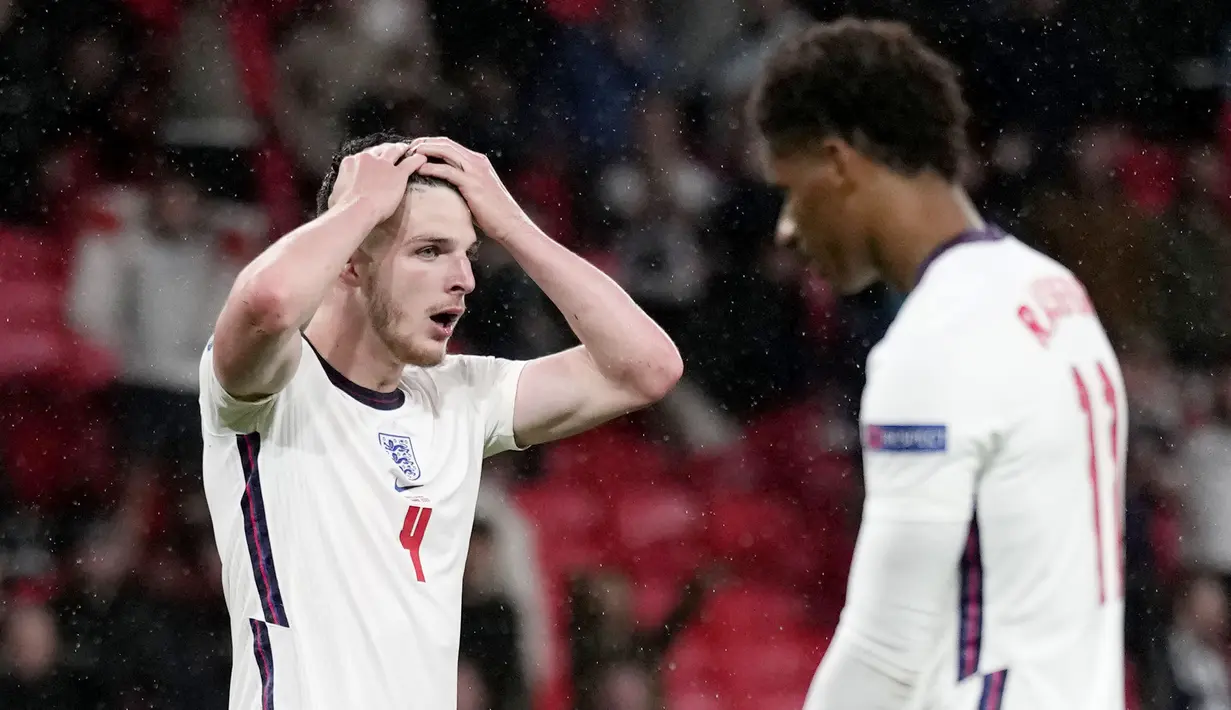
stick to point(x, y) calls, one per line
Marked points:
point(494, 209)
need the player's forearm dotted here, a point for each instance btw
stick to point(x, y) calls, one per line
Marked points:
point(892, 621)
point(628, 347)
point(283, 286)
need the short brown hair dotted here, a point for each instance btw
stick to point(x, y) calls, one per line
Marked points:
point(358, 145)
point(874, 84)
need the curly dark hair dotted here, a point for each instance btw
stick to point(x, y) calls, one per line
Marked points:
point(875, 85)
point(358, 145)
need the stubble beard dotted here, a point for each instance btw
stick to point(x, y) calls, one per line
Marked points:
point(385, 315)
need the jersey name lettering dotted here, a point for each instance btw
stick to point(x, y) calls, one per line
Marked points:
point(1055, 298)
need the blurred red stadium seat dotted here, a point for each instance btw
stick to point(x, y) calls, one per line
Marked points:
point(33, 337)
point(34, 340)
point(614, 457)
point(660, 533)
point(827, 482)
point(757, 670)
point(29, 353)
point(655, 598)
point(570, 524)
point(55, 447)
point(561, 510)
point(658, 516)
point(781, 436)
point(697, 700)
point(746, 613)
point(689, 666)
point(757, 535)
point(31, 306)
point(27, 256)
point(790, 700)
point(736, 467)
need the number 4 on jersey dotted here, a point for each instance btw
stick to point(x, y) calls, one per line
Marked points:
point(413, 528)
point(1087, 406)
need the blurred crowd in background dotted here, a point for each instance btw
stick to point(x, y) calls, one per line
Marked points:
point(693, 557)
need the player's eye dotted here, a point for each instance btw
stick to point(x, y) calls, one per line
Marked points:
point(473, 253)
point(429, 252)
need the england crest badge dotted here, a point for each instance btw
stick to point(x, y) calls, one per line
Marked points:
point(403, 455)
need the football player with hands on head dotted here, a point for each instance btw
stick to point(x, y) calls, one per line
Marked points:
point(343, 444)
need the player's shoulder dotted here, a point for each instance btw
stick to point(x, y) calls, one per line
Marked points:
point(967, 309)
point(973, 292)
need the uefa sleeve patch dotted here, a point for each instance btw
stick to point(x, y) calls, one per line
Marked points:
point(916, 438)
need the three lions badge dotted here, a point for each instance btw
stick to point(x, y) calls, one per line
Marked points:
point(403, 455)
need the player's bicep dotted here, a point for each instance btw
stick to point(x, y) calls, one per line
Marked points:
point(563, 394)
point(921, 472)
point(252, 359)
point(928, 427)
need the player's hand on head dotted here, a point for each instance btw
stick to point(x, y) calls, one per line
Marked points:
point(494, 209)
point(376, 176)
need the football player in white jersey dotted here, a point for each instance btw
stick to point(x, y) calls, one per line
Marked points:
point(343, 445)
point(987, 572)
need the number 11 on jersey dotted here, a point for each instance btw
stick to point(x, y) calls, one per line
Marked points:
point(1087, 406)
point(413, 528)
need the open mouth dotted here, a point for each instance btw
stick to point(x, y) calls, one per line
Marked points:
point(445, 319)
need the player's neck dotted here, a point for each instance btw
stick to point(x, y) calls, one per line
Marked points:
point(927, 213)
point(351, 347)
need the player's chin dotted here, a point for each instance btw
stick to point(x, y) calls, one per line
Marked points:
point(845, 280)
point(848, 286)
point(433, 355)
point(826, 271)
point(423, 352)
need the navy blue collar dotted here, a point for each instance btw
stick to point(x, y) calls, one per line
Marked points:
point(359, 393)
point(989, 233)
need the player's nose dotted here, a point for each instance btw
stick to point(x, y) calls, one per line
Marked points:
point(786, 231)
point(461, 276)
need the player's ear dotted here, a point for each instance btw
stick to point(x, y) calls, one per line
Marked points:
point(841, 161)
point(362, 259)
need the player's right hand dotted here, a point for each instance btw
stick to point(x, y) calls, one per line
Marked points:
point(376, 177)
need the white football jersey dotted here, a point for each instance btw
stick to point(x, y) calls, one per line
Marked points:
point(343, 517)
point(988, 570)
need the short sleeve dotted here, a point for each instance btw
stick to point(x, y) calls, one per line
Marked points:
point(929, 424)
point(494, 383)
point(222, 414)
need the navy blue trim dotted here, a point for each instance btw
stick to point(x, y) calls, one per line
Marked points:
point(368, 397)
point(970, 605)
point(989, 233)
point(263, 652)
point(256, 531)
point(993, 690)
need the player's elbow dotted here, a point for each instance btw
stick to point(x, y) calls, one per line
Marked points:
point(657, 376)
point(266, 307)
